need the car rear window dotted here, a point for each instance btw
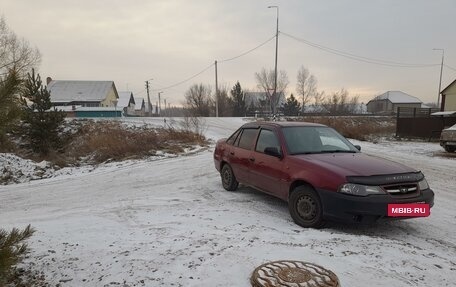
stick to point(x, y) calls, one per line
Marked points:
point(233, 137)
point(247, 138)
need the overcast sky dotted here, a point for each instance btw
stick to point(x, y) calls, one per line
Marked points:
point(130, 42)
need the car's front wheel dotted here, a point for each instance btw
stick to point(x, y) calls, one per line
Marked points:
point(305, 207)
point(450, 148)
point(229, 181)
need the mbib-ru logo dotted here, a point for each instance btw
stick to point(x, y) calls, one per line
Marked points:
point(409, 210)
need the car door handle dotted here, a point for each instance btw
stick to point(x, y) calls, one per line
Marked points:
point(252, 159)
point(231, 152)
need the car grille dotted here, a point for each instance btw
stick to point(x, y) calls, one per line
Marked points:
point(402, 190)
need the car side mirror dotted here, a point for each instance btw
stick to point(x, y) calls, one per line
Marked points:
point(273, 151)
point(358, 147)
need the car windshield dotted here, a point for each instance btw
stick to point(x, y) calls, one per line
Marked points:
point(309, 140)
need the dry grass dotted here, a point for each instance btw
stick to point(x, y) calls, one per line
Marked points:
point(92, 142)
point(102, 141)
point(360, 128)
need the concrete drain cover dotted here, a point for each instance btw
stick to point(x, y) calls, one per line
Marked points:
point(293, 274)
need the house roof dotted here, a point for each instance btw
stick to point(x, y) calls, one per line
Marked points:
point(124, 99)
point(138, 103)
point(68, 91)
point(397, 97)
point(315, 109)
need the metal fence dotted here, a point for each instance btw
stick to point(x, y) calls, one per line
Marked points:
point(418, 123)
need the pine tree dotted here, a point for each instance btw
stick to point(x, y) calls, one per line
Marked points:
point(237, 96)
point(291, 107)
point(12, 249)
point(42, 124)
point(9, 103)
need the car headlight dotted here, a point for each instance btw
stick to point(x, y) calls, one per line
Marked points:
point(423, 184)
point(360, 190)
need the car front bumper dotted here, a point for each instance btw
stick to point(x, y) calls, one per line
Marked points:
point(365, 209)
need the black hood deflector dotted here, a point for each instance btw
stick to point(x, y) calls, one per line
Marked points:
point(386, 179)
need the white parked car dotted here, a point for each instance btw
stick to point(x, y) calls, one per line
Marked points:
point(448, 139)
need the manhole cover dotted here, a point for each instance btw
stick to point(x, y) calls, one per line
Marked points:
point(293, 274)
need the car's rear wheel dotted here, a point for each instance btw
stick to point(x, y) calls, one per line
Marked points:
point(305, 207)
point(229, 181)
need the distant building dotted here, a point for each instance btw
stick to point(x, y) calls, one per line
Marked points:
point(449, 98)
point(390, 101)
point(315, 109)
point(140, 107)
point(126, 103)
point(260, 101)
point(82, 93)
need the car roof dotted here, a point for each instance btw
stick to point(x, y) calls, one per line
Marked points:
point(281, 124)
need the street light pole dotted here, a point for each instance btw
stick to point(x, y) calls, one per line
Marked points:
point(275, 66)
point(441, 71)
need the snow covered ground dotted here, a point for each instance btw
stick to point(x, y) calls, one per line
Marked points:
point(169, 222)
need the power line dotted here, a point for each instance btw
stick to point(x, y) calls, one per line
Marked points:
point(359, 58)
point(207, 68)
point(186, 80)
point(451, 68)
point(247, 52)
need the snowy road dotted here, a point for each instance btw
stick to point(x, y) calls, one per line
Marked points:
point(170, 223)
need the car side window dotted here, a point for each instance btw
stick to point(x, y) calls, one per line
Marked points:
point(267, 138)
point(247, 138)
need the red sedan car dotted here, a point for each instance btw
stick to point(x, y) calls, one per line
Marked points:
point(319, 172)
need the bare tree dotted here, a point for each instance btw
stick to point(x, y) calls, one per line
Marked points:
point(319, 97)
point(225, 103)
point(16, 54)
point(306, 86)
point(354, 107)
point(198, 100)
point(340, 103)
point(265, 81)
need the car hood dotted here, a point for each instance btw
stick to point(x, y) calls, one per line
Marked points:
point(355, 164)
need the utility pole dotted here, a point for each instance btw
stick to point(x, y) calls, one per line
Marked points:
point(275, 69)
point(149, 106)
point(159, 103)
point(440, 81)
point(164, 111)
point(216, 91)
